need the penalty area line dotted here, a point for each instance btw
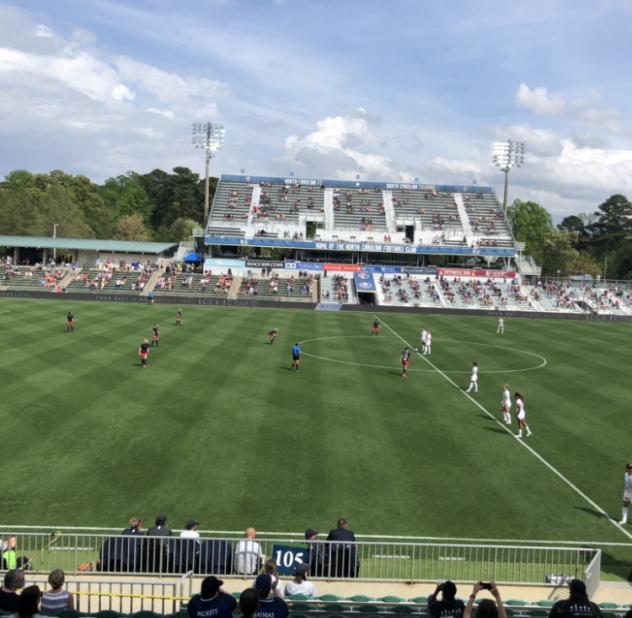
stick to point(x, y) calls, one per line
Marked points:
point(537, 455)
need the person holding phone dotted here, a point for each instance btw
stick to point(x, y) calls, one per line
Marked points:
point(486, 608)
point(449, 605)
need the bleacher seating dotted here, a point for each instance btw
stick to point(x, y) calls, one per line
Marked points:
point(32, 278)
point(414, 291)
point(359, 209)
point(275, 287)
point(286, 202)
point(436, 211)
point(487, 220)
point(193, 284)
point(231, 208)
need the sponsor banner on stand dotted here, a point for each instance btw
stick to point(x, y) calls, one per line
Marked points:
point(265, 263)
point(304, 266)
point(345, 268)
point(210, 263)
point(420, 270)
point(468, 272)
point(364, 282)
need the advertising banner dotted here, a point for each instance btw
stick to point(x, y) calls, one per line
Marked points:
point(304, 266)
point(265, 263)
point(468, 272)
point(210, 263)
point(346, 268)
point(364, 282)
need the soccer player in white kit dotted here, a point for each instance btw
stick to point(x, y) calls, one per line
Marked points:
point(428, 351)
point(501, 326)
point(521, 415)
point(473, 379)
point(506, 405)
point(627, 493)
point(424, 338)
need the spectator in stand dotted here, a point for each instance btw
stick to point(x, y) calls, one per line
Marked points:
point(316, 553)
point(271, 605)
point(342, 552)
point(248, 554)
point(29, 603)
point(158, 549)
point(134, 527)
point(486, 608)
point(449, 605)
point(300, 585)
point(191, 530)
point(56, 599)
point(577, 603)
point(270, 567)
point(249, 602)
point(9, 598)
point(8, 554)
point(212, 601)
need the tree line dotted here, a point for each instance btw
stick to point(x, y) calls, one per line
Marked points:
point(597, 243)
point(157, 206)
point(165, 206)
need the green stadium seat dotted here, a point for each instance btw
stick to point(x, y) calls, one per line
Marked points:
point(302, 607)
point(391, 599)
point(296, 597)
point(360, 598)
point(516, 603)
point(69, 613)
point(368, 609)
point(331, 607)
point(419, 600)
point(402, 609)
point(538, 613)
point(608, 606)
point(545, 603)
point(330, 598)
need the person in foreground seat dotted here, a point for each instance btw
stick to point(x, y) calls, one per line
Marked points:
point(56, 599)
point(486, 608)
point(449, 605)
point(249, 602)
point(212, 601)
point(9, 598)
point(577, 603)
point(300, 585)
point(271, 605)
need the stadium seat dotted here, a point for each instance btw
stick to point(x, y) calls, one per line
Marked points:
point(368, 609)
point(297, 597)
point(419, 600)
point(516, 603)
point(545, 603)
point(331, 608)
point(402, 609)
point(302, 607)
point(107, 613)
point(70, 613)
point(360, 598)
point(391, 599)
point(330, 598)
point(608, 606)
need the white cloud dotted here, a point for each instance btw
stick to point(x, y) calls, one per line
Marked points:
point(539, 142)
point(539, 101)
point(336, 149)
point(165, 113)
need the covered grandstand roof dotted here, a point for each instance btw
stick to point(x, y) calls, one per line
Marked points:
point(86, 244)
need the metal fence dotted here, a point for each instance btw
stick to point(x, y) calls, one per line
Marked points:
point(125, 597)
point(76, 552)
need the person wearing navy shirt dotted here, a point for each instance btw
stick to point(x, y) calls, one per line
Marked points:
point(271, 605)
point(449, 605)
point(296, 356)
point(212, 602)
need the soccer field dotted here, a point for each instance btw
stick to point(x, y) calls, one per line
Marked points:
point(219, 429)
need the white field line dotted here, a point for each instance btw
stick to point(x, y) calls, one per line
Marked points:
point(520, 441)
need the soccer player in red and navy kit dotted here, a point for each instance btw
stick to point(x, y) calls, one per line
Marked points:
point(375, 329)
point(143, 352)
point(272, 335)
point(155, 335)
point(70, 322)
point(179, 317)
point(405, 362)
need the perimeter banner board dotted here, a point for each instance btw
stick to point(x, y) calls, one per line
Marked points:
point(304, 266)
point(420, 270)
point(364, 282)
point(345, 268)
point(265, 264)
point(467, 272)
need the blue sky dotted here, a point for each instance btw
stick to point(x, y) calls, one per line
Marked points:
point(389, 90)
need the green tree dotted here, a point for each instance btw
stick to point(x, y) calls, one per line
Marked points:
point(532, 224)
point(132, 227)
point(613, 225)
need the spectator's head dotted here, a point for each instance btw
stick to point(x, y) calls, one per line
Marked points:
point(135, 523)
point(487, 609)
point(56, 579)
point(577, 589)
point(210, 586)
point(29, 602)
point(342, 523)
point(448, 590)
point(249, 602)
point(263, 585)
point(14, 579)
point(300, 572)
point(270, 567)
point(628, 468)
point(161, 520)
point(11, 543)
point(311, 533)
point(192, 524)
point(251, 533)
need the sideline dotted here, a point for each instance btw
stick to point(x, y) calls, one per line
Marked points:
point(519, 440)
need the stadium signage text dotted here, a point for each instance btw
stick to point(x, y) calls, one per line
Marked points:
point(466, 272)
point(287, 558)
point(265, 264)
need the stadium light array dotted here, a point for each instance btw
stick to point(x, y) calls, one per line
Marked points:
point(508, 155)
point(209, 137)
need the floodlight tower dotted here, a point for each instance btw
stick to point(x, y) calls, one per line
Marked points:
point(507, 155)
point(209, 137)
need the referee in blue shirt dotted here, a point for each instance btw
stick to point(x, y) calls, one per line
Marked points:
point(296, 356)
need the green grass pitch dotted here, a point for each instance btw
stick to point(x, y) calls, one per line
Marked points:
point(219, 429)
